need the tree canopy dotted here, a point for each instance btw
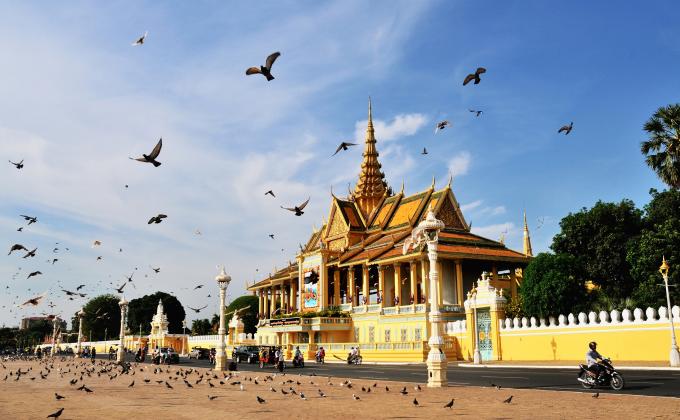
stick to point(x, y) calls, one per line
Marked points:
point(200, 327)
point(598, 238)
point(142, 310)
point(249, 317)
point(662, 148)
point(102, 314)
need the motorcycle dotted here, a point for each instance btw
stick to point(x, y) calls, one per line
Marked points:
point(299, 362)
point(609, 376)
point(354, 360)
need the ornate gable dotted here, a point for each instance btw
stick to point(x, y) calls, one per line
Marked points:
point(450, 214)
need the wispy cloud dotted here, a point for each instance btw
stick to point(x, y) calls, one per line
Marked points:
point(494, 231)
point(402, 125)
point(471, 206)
point(460, 163)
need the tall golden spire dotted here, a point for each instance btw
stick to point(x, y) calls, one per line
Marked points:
point(527, 239)
point(371, 186)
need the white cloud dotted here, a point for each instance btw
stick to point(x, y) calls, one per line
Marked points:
point(403, 125)
point(460, 163)
point(471, 206)
point(494, 231)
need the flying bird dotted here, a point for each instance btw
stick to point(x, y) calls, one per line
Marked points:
point(270, 192)
point(157, 219)
point(18, 165)
point(56, 414)
point(297, 209)
point(17, 247)
point(271, 235)
point(96, 243)
point(80, 287)
point(198, 287)
point(99, 258)
point(424, 152)
point(476, 112)
point(266, 69)
point(441, 125)
point(566, 128)
point(30, 253)
point(20, 229)
point(29, 219)
point(156, 270)
point(151, 157)
point(33, 274)
point(141, 39)
point(474, 76)
point(197, 310)
point(343, 146)
point(120, 289)
point(33, 301)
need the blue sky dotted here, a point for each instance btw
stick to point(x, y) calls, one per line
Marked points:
point(78, 100)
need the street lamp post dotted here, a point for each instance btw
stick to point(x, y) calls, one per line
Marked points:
point(674, 354)
point(223, 281)
point(184, 332)
point(427, 232)
point(476, 355)
point(54, 336)
point(81, 313)
point(123, 310)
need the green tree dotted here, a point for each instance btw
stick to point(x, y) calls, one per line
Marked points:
point(662, 148)
point(142, 310)
point(551, 286)
point(102, 314)
point(660, 238)
point(200, 327)
point(249, 316)
point(598, 239)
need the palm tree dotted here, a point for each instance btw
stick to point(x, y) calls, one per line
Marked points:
point(662, 149)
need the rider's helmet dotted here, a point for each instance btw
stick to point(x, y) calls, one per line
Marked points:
point(592, 345)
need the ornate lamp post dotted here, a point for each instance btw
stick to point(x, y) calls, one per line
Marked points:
point(184, 331)
point(223, 281)
point(123, 311)
point(81, 314)
point(674, 354)
point(427, 233)
point(476, 355)
point(54, 336)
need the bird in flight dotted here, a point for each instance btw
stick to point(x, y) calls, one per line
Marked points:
point(156, 270)
point(33, 301)
point(566, 128)
point(80, 287)
point(33, 274)
point(29, 219)
point(17, 247)
point(343, 146)
point(476, 112)
point(270, 192)
point(20, 229)
point(151, 157)
point(96, 243)
point(141, 39)
point(297, 209)
point(198, 287)
point(441, 125)
point(120, 289)
point(197, 310)
point(265, 70)
point(30, 253)
point(18, 165)
point(157, 219)
point(271, 235)
point(474, 76)
point(424, 152)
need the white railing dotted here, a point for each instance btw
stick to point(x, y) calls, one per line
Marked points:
point(635, 317)
point(346, 307)
point(456, 327)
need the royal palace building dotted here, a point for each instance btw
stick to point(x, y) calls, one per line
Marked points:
point(351, 284)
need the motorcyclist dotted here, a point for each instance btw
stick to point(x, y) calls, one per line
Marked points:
point(352, 354)
point(298, 353)
point(592, 359)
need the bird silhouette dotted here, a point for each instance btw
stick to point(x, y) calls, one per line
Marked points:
point(212, 398)
point(566, 128)
point(56, 414)
point(151, 157)
point(270, 192)
point(449, 404)
point(141, 39)
point(343, 146)
point(156, 270)
point(355, 397)
point(20, 229)
point(424, 152)
point(415, 402)
point(29, 219)
point(197, 310)
point(30, 253)
point(265, 70)
point(441, 125)
point(18, 165)
point(120, 289)
point(507, 400)
point(297, 209)
point(260, 399)
point(474, 76)
point(17, 247)
point(58, 397)
point(596, 395)
point(157, 219)
point(477, 112)
point(271, 235)
point(198, 287)
point(33, 274)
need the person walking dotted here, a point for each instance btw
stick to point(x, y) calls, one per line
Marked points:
point(93, 354)
point(280, 359)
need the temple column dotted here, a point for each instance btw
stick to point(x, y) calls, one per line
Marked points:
point(494, 274)
point(513, 284)
point(459, 283)
point(293, 294)
point(364, 286)
point(323, 273)
point(424, 279)
point(350, 285)
point(397, 284)
point(265, 299)
point(336, 287)
point(381, 285)
point(439, 282)
point(272, 302)
point(414, 282)
point(284, 298)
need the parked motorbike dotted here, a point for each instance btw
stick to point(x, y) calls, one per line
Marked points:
point(609, 376)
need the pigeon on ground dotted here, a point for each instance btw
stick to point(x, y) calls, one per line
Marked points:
point(266, 69)
point(566, 128)
point(18, 165)
point(474, 76)
point(355, 397)
point(343, 146)
point(260, 400)
point(449, 404)
point(415, 402)
point(508, 400)
point(141, 39)
point(212, 398)
point(596, 395)
point(151, 157)
point(297, 209)
point(58, 397)
point(56, 414)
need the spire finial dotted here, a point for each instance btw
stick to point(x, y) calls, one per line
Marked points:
point(371, 186)
point(433, 182)
point(402, 187)
point(448, 184)
point(370, 113)
point(527, 239)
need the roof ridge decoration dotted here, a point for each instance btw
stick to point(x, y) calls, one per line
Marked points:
point(372, 185)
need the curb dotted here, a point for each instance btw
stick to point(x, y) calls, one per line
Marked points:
point(655, 368)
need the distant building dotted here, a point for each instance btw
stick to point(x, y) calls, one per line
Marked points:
point(28, 322)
